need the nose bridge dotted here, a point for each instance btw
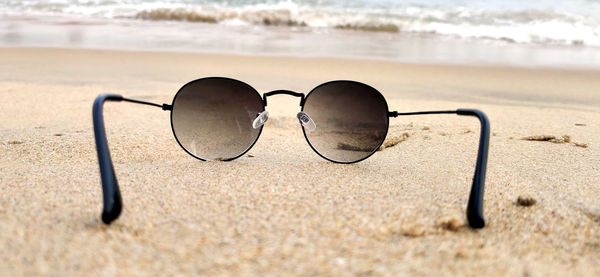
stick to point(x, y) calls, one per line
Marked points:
point(282, 91)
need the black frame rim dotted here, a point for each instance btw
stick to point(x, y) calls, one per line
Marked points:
point(387, 119)
point(215, 78)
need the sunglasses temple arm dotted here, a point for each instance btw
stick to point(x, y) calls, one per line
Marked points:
point(110, 187)
point(475, 204)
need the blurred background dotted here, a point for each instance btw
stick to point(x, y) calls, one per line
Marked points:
point(537, 33)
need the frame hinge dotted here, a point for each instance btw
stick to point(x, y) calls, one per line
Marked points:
point(393, 114)
point(167, 107)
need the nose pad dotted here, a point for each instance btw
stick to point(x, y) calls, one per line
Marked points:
point(306, 121)
point(260, 120)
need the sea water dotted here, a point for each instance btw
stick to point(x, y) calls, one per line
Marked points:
point(527, 33)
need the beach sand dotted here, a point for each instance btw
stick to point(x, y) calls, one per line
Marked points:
point(281, 209)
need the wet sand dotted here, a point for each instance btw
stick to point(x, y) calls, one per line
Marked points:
point(281, 209)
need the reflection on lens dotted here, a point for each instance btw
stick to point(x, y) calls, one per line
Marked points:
point(212, 118)
point(351, 120)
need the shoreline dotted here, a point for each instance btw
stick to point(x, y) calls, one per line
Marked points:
point(578, 68)
point(282, 41)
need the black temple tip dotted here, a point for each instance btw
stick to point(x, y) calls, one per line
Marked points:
point(476, 222)
point(110, 216)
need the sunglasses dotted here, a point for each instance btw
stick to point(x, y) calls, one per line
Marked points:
point(220, 118)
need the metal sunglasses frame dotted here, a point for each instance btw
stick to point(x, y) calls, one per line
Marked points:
point(113, 204)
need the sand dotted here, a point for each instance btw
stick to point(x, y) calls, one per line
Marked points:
point(281, 209)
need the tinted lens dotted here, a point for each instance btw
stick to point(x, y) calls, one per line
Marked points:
point(350, 120)
point(212, 118)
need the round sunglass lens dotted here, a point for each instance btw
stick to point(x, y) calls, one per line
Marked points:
point(212, 118)
point(344, 121)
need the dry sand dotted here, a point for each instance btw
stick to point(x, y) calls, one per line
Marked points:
point(283, 210)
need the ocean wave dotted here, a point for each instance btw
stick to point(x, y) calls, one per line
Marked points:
point(370, 27)
point(524, 26)
point(260, 17)
point(176, 14)
point(264, 17)
point(548, 24)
